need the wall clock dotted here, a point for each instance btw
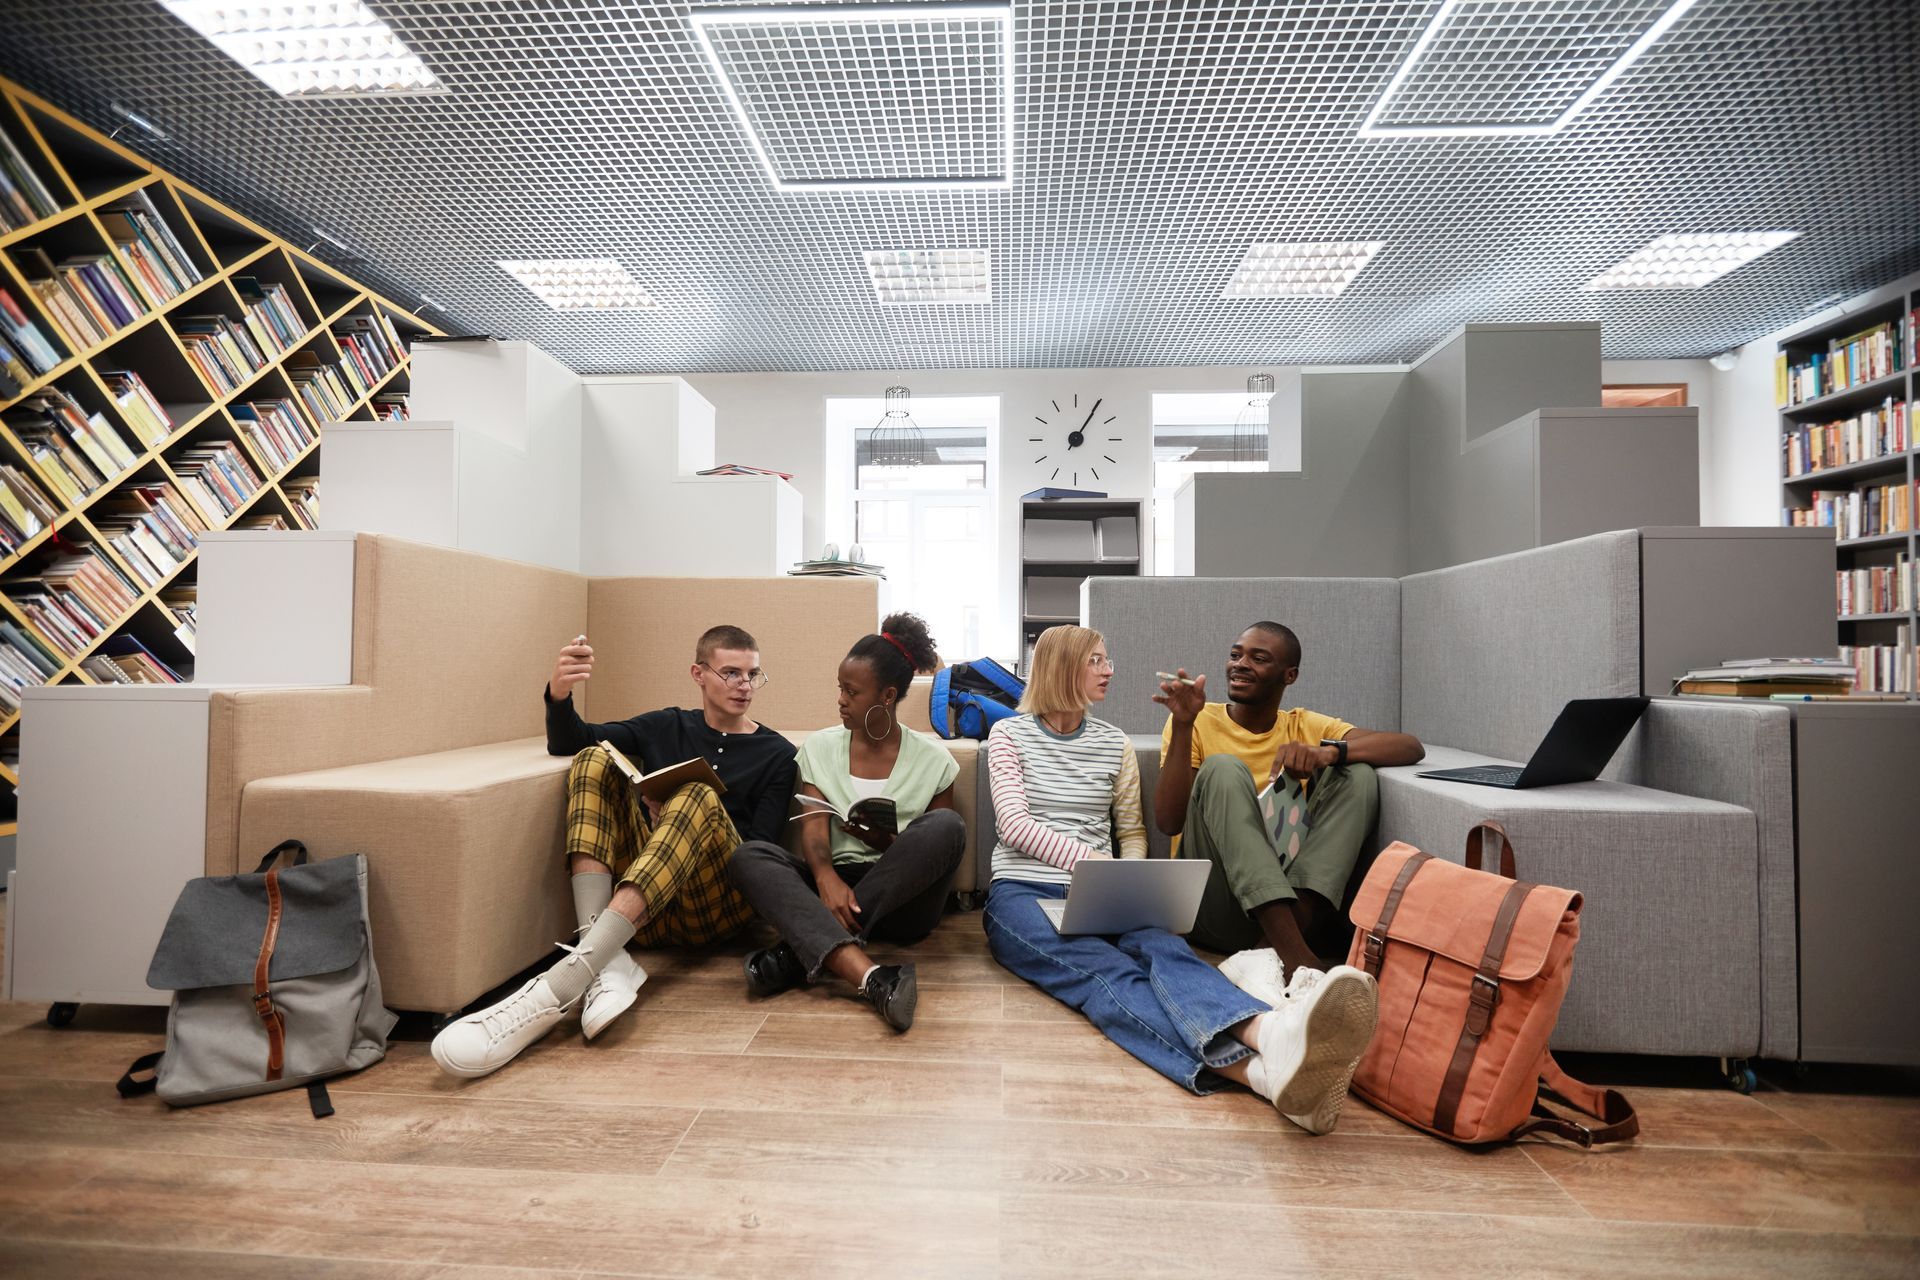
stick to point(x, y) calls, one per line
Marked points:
point(1076, 439)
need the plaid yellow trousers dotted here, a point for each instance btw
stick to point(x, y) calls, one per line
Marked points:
point(679, 865)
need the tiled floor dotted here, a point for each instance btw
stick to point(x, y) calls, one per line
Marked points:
point(706, 1134)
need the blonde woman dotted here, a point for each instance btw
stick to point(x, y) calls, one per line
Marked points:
point(1066, 787)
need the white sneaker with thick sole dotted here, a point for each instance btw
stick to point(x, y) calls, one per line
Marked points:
point(611, 994)
point(488, 1040)
point(1312, 1043)
point(1259, 972)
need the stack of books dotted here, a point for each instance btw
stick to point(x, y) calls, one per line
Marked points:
point(221, 349)
point(320, 386)
point(271, 319)
point(76, 449)
point(277, 431)
point(153, 528)
point(159, 264)
point(22, 343)
point(88, 295)
point(75, 599)
point(391, 406)
point(741, 469)
point(371, 347)
point(303, 499)
point(182, 604)
point(1847, 362)
point(138, 405)
point(24, 509)
point(216, 476)
point(124, 660)
point(24, 663)
point(1872, 433)
point(1880, 588)
point(1865, 512)
point(1883, 668)
point(835, 569)
point(24, 198)
point(1771, 677)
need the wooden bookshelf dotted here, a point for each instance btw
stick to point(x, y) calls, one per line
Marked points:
point(1893, 465)
point(321, 310)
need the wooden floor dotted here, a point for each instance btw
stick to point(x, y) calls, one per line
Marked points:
point(708, 1135)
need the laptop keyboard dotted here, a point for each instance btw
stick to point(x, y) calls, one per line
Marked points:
point(1503, 773)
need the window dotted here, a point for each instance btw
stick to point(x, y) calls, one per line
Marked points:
point(1644, 395)
point(930, 526)
point(1211, 431)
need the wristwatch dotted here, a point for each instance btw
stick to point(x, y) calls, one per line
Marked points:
point(1339, 745)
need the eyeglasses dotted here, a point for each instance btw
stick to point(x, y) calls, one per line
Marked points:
point(1099, 663)
point(754, 679)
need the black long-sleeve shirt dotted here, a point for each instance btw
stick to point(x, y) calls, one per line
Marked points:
point(757, 767)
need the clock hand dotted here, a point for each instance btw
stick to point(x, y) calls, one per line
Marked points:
point(1090, 413)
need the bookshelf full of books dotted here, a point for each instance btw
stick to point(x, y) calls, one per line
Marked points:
point(1847, 393)
point(166, 365)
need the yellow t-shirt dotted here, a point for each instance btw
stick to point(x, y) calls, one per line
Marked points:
point(1215, 732)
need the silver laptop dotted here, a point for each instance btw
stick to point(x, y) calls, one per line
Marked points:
point(1119, 895)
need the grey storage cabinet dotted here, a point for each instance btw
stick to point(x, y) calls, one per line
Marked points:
point(1063, 542)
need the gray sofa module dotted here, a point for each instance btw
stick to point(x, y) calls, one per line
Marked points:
point(1683, 850)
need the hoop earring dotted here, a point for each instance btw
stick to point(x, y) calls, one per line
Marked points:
point(866, 724)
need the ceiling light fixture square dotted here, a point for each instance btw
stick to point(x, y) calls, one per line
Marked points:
point(580, 284)
point(807, 73)
point(313, 49)
point(906, 277)
point(1521, 53)
point(1688, 261)
point(1300, 270)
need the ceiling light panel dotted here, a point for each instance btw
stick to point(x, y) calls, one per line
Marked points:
point(581, 284)
point(903, 277)
point(869, 95)
point(1688, 261)
point(1488, 67)
point(320, 48)
point(1300, 270)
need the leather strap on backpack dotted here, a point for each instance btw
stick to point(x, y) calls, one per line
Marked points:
point(1482, 996)
point(1618, 1121)
point(1475, 844)
point(1376, 943)
point(276, 1023)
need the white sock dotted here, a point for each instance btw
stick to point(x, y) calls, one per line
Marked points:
point(871, 970)
point(573, 974)
point(592, 891)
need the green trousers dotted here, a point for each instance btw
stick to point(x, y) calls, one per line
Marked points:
point(1225, 827)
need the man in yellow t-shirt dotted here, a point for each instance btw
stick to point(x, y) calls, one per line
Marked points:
point(1214, 760)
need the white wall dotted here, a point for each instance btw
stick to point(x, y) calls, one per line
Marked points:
point(778, 420)
point(1740, 450)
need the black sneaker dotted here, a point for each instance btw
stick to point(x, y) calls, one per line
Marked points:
point(774, 969)
point(893, 992)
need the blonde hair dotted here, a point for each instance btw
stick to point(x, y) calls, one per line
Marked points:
point(1056, 684)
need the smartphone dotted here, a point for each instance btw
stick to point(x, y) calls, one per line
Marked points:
point(1170, 678)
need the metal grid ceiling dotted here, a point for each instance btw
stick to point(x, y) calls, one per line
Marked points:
point(1155, 141)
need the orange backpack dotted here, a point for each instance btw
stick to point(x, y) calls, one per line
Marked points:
point(1472, 968)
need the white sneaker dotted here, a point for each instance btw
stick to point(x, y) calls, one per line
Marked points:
point(1258, 972)
point(490, 1039)
point(1311, 1044)
point(611, 994)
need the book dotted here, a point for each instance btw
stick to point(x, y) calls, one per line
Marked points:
point(1757, 688)
point(877, 812)
point(660, 785)
point(1283, 804)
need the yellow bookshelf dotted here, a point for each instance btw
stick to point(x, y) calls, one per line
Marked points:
point(88, 174)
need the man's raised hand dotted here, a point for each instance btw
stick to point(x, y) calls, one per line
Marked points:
point(574, 666)
point(1183, 697)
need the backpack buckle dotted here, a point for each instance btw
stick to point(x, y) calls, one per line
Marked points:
point(1374, 948)
point(1482, 996)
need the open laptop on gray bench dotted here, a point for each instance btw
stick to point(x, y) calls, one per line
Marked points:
point(1584, 737)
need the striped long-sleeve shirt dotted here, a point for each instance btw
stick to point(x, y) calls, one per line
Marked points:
point(1058, 799)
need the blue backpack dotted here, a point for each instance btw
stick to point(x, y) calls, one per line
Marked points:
point(969, 697)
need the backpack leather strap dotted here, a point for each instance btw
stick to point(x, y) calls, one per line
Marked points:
point(276, 1023)
point(1483, 995)
point(1475, 844)
point(1618, 1121)
point(1376, 943)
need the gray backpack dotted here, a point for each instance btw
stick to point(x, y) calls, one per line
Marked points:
point(273, 984)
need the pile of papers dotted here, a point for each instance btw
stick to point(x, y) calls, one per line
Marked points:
point(1770, 677)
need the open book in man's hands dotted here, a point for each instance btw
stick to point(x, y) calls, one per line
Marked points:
point(876, 812)
point(662, 783)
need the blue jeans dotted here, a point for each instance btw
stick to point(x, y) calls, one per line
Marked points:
point(1145, 990)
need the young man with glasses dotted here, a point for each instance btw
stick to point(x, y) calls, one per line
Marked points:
point(655, 873)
